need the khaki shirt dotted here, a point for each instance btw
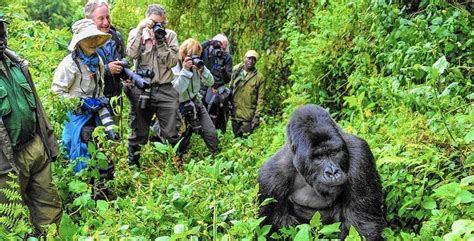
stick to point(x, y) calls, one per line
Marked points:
point(158, 58)
point(68, 82)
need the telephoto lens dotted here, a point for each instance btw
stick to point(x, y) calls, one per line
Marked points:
point(106, 119)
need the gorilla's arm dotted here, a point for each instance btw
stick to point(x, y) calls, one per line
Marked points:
point(363, 204)
point(276, 181)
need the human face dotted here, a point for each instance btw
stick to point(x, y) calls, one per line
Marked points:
point(101, 18)
point(3, 37)
point(89, 45)
point(250, 63)
point(157, 18)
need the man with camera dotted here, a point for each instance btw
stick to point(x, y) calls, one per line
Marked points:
point(27, 141)
point(190, 73)
point(216, 97)
point(112, 52)
point(248, 95)
point(154, 49)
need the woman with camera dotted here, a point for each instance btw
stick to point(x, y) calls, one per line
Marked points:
point(81, 75)
point(190, 73)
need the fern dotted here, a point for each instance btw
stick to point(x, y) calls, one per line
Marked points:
point(13, 214)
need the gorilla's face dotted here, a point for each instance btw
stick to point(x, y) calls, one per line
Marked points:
point(320, 153)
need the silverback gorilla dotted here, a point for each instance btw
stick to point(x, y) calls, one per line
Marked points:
point(322, 168)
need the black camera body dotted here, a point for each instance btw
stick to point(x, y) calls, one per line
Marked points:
point(217, 49)
point(189, 111)
point(159, 31)
point(197, 61)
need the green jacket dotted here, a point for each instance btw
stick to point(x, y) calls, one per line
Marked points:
point(43, 127)
point(248, 93)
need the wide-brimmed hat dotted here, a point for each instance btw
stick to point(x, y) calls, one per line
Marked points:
point(251, 53)
point(86, 28)
point(2, 18)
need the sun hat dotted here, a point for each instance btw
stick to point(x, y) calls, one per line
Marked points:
point(86, 28)
point(251, 53)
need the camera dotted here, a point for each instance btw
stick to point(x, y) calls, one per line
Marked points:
point(189, 112)
point(217, 49)
point(144, 99)
point(159, 32)
point(197, 61)
point(137, 78)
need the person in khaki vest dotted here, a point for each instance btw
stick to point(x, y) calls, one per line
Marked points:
point(27, 142)
point(154, 49)
point(248, 90)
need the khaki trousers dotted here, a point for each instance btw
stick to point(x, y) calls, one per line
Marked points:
point(37, 188)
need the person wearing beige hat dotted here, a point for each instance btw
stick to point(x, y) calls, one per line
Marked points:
point(27, 141)
point(248, 92)
point(81, 75)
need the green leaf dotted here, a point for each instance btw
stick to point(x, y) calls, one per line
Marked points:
point(330, 229)
point(102, 206)
point(429, 203)
point(315, 220)
point(77, 186)
point(466, 181)
point(441, 64)
point(353, 235)
point(67, 228)
point(303, 234)
point(178, 228)
point(465, 196)
point(469, 137)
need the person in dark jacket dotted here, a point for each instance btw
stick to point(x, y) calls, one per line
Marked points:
point(218, 60)
point(112, 52)
point(27, 141)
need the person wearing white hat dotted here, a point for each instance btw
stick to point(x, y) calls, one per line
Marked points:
point(81, 75)
point(218, 60)
point(27, 142)
point(248, 87)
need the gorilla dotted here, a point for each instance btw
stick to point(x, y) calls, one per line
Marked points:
point(322, 169)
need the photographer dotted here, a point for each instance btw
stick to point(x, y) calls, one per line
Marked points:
point(153, 48)
point(190, 73)
point(81, 75)
point(216, 97)
point(112, 52)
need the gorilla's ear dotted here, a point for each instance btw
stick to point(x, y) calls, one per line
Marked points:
point(293, 145)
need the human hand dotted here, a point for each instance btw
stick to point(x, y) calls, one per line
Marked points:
point(145, 23)
point(116, 67)
point(188, 63)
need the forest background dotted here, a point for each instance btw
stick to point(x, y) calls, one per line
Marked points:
point(396, 73)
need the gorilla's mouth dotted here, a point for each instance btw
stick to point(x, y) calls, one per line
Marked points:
point(333, 182)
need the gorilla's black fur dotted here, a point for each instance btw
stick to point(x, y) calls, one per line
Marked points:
point(322, 168)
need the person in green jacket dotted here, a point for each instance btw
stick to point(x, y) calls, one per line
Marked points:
point(248, 92)
point(27, 141)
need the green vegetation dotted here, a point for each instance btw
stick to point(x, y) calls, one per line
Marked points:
point(401, 79)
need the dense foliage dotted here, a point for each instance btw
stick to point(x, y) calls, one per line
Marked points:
point(400, 76)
